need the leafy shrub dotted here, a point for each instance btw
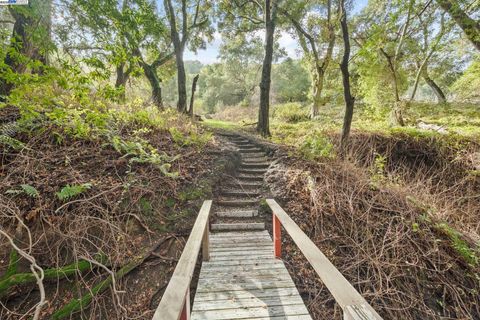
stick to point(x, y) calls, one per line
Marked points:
point(290, 112)
point(317, 145)
point(140, 151)
point(191, 137)
point(70, 191)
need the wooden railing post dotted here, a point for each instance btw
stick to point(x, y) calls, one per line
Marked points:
point(185, 315)
point(206, 243)
point(277, 237)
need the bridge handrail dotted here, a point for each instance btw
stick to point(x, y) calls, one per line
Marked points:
point(175, 303)
point(354, 306)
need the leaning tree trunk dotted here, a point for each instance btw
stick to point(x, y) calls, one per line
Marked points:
point(349, 99)
point(470, 26)
point(152, 77)
point(192, 97)
point(441, 98)
point(263, 126)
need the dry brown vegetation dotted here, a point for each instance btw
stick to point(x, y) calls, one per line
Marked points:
point(131, 215)
point(389, 226)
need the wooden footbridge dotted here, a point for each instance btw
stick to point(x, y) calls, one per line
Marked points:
point(242, 275)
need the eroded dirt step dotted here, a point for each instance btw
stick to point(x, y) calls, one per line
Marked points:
point(251, 150)
point(251, 156)
point(252, 171)
point(238, 226)
point(262, 158)
point(239, 193)
point(244, 185)
point(249, 178)
point(254, 165)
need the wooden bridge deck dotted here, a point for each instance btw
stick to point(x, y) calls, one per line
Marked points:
point(243, 280)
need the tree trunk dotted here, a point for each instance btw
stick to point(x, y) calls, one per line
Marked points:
point(349, 99)
point(152, 77)
point(436, 89)
point(317, 93)
point(263, 126)
point(470, 26)
point(181, 82)
point(192, 97)
point(122, 78)
point(178, 46)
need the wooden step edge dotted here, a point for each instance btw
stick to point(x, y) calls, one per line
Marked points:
point(237, 214)
point(238, 226)
point(236, 203)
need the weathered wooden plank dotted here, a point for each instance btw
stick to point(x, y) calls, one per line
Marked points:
point(247, 303)
point(244, 267)
point(204, 274)
point(343, 292)
point(243, 278)
point(172, 301)
point(265, 256)
point(235, 239)
point(237, 226)
point(252, 294)
point(246, 262)
point(241, 234)
point(237, 214)
point(244, 253)
point(250, 313)
point(246, 248)
point(242, 286)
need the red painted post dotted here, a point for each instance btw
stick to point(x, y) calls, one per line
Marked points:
point(277, 237)
point(185, 315)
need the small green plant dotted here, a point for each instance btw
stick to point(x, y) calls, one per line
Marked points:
point(377, 171)
point(70, 191)
point(24, 188)
point(11, 142)
point(317, 145)
point(460, 245)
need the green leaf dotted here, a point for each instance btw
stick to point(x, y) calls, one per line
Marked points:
point(70, 191)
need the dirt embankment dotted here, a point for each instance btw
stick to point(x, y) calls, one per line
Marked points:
point(125, 211)
point(384, 234)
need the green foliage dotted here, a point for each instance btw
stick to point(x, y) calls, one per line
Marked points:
point(290, 112)
point(11, 142)
point(71, 191)
point(377, 170)
point(140, 151)
point(191, 137)
point(145, 206)
point(460, 245)
point(291, 81)
point(317, 145)
point(467, 87)
point(26, 189)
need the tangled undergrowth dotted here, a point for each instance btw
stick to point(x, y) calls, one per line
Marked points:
point(88, 194)
point(384, 236)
